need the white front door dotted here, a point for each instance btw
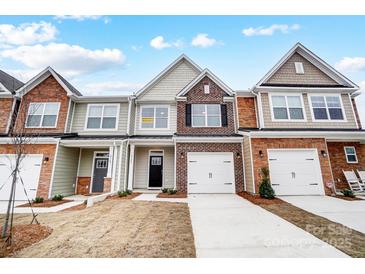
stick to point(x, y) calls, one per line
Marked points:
point(211, 172)
point(30, 169)
point(295, 172)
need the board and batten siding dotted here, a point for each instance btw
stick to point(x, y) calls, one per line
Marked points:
point(171, 84)
point(350, 123)
point(65, 173)
point(247, 164)
point(78, 124)
point(142, 166)
point(172, 125)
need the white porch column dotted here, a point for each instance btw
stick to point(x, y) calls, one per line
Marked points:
point(131, 167)
point(110, 162)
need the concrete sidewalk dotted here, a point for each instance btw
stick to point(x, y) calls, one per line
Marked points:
point(226, 225)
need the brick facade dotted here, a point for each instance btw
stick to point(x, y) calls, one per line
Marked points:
point(246, 107)
point(196, 96)
point(48, 150)
point(264, 144)
point(182, 167)
point(47, 91)
point(6, 105)
point(107, 184)
point(83, 185)
point(338, 161)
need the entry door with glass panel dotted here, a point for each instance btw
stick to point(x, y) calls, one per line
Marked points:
point(156, 170)
point(100, 171)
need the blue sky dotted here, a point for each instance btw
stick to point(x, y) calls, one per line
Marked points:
point(118, 54)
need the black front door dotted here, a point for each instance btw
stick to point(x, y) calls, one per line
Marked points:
point(100, 172)
point(156, 165)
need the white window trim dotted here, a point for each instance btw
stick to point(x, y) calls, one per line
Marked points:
point(297, 66)
point(40, 124)
point(286, 102)
point(329, 120)
point(154, 118)
point(346, 154)
point(206, 116)
point(102, 115)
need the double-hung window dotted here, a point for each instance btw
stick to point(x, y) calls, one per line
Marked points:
point(102, 116)
point(350, 153)
point(154, 117)
point(327, 107)
point(206, 115)
point(287, 107)
point(42, 115)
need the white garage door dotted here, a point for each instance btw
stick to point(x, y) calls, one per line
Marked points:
point(29, 171)
point(295, 172)
point(210, 172)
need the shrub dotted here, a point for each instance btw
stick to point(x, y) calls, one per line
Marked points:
point(348, 193)
point(38, 200)
point(122, 193)
point(265, 189)
point(57, 197)
point(172, 191)
point(165, 190)
point(129, 192)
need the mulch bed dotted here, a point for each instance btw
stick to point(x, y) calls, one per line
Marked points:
point(349, 241)
point(257, 200)
point(347, 198)
point(24, 236)
point(128, 197)
point(46, 203)
point(176, 195)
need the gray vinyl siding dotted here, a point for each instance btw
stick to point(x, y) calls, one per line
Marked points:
point(171, 84)
point(172, 125)
point(86, 161)
point(247, 164)
point(65, 173)
point(79, 119)
point(141, 167)
point(69, 118)
point(122, 168)
point(350, 123)
point(116, 168)
point(132, 118)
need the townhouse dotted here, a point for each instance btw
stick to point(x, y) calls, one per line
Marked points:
point(187, 130)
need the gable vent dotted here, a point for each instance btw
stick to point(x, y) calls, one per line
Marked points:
point(206, 89)
point(299, 69)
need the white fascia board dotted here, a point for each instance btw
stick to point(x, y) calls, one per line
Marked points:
point(100, 99)
point(90, 143)
point(4, 90)
point(303, 89)
point(37, 141)
point(147, 141)
point(165, 71)
point(208, 139)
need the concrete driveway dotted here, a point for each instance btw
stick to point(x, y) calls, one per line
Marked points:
point(226, 225)
point(348, 213)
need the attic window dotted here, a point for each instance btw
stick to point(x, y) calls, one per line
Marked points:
point(206, 89)
point(299, 69)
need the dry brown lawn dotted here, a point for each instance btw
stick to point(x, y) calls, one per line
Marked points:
point(115, 228)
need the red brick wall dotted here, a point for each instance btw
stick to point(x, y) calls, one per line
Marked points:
point(356, 113)
point(47, 91)
point(247, 112)
point(181, 162)
point(46, 170)
point(83, 185)
point(196, 96)
point(6, 105)
point(338, 161)
point(270, 143)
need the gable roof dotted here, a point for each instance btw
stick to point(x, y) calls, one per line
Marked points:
point(169, 68)
point(343, 82)
point(8, 83)
point(40, 77)
point(206, 73)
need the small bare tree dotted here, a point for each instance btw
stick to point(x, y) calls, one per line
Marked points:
point(21, 140)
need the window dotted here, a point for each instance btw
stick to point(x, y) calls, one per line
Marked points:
point(299, 69)
point(102, 116)
point(287, 107)
point(154, 117)
point(350, 153)
point(102, 163)
point(208, 115)
point(206, 89)
point(42, 115)
point(327, 107)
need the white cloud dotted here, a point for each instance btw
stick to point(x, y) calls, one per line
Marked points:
point(262, 31)
point(202, 40)
point(27, 34)
point(159, 43)
point(80, 18)
point(136, 48)
point(116, 87)
point(70, 60)
point(351, 64)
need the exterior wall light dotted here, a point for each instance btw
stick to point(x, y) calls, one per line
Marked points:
point(324, 153)
point(45, 160)
point(261, 153)
point(238, 155)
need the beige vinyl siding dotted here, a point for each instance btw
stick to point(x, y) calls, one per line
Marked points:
point(132, 118)
point(171, 84)
point(248, 164)
point(122, 167)
point(86, 161)
point(172, 125)
point(78, 124)
point(116, 167)
point(350, 123)
point(65, 173)
point(286, 74)
point(141, 167)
